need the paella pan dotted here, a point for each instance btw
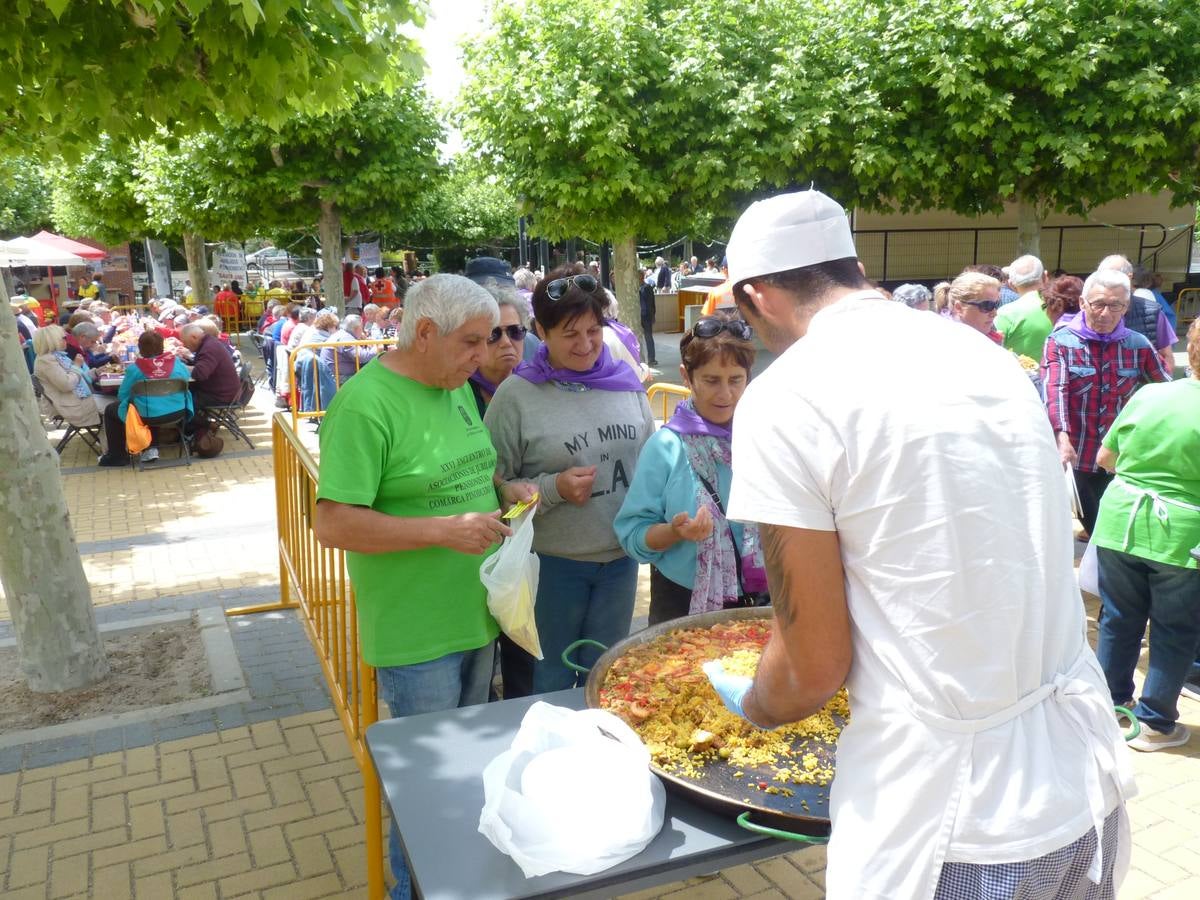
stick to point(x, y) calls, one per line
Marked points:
point(776, 782)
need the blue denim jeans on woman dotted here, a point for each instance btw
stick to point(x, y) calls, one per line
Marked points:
point(1136, 590)
point(448, 682)
point(580, 600)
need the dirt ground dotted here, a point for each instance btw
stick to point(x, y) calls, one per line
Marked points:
point(149, 667)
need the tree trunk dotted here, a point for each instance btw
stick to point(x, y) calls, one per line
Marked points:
point(40, 569)
point(1029, 227)
point(626, 280)
point(330, 232)
point(197, 263)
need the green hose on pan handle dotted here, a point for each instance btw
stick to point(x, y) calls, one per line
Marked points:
point(1136, 728)
point(744, 821)
point(574, 667)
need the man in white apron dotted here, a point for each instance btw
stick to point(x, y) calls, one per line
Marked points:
point(918, 541)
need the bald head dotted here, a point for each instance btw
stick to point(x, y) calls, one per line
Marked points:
point(1026, 273)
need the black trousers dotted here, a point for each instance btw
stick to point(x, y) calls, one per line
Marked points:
point(1091, 487)
point(668, 600)
point(114, 431)
point(516, 668)
point(648, 339)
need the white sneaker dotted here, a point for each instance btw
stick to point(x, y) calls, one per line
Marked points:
point(1150, 740)
point(150, 454)
point(1191, 688)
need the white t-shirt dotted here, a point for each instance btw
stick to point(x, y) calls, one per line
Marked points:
point(934, 462)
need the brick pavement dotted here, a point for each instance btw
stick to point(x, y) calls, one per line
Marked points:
point(262, 799)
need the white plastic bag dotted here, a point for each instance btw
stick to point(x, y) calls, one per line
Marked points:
point(1089, 571)
point(511, 578)
point(574, 793)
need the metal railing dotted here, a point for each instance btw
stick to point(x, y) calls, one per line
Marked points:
point(668, 396)
point(1187, 308)
point(320, 400)
point(313, 580)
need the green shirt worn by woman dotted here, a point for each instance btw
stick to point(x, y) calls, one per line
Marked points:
point(407, 449)
point(1152, 508)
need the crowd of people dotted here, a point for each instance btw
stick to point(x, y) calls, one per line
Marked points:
point(528, 386)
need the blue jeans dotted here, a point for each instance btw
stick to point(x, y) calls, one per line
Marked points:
point(1134, 591)
point(580, 600)
point(448, 682)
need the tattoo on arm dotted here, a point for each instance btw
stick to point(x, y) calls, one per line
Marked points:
point(778, 577)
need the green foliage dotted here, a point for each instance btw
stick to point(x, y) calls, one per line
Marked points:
point(75, 69)
point(469, 208)
point(97, 196)
point(24, 197)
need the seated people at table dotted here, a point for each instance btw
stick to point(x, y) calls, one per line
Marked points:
point(973, 299)
point(25, 335)
point(215, 379)
point(299, 332)
point(574, 420)
point(504, 348)
point(213, 325)
point(313, 375)
point(1091, 366)
point(392, 325)
point(699, 560)
point(1148, 523)
point(289, 324)
point(226, 305)
point(373, 317)
point(271, 315)
point(65, 379)
point(152, 365)
point(344, 362)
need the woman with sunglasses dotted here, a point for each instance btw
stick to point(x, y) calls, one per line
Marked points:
point(973, 299)
point(573, 420)
point(674, 514)
point(505, 345)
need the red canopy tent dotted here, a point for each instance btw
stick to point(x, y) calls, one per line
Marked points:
point(58, 242)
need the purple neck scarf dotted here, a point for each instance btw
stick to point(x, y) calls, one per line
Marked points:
point(480, 379)
point(607, 374)
point(687, 421)
point(1080, 327)
point(626, 337)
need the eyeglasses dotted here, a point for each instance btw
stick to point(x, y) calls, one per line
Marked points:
point(711, 326)
point(558, 287)
point(1106, 307)
point(515, 333)
point(986, 306)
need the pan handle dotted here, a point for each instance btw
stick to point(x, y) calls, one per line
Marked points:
point(744, 821)
point(571, 648)
point(1135, 728)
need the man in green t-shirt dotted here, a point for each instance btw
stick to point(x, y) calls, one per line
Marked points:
point(407, 488)
point(1024, 322)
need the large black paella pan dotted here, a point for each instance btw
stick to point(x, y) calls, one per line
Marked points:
point(768, 795)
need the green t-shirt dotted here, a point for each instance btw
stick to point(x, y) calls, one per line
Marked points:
point(407, 449)
point(1025, 326)
point(1157, 439)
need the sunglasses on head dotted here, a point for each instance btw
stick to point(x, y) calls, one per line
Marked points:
point(986, 306)
point(710, 327)
point(515, 333)
point(558, 287)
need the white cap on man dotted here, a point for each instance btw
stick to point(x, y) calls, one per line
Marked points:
point(788, 231)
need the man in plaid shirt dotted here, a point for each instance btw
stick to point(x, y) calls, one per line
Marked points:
point(1091, 366)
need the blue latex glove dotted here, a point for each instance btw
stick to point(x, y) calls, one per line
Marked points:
point(732, 689)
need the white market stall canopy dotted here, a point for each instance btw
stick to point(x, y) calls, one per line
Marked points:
point(23, 251)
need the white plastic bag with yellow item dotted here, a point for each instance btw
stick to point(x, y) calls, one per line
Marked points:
point(511, 578)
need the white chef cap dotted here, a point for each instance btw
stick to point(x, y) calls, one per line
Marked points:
point(788, 231)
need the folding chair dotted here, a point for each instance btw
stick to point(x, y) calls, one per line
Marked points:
point(44, 404)
point(165, 387)
point(227, 414)
point(90, 434)
point(259, 341)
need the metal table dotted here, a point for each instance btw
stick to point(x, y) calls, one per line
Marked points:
point(430, 770)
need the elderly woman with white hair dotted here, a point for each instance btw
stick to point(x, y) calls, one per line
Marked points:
point(344, 362)
point(406, 489)
point(914, 296)
point(1091, 366)
point(66, 381)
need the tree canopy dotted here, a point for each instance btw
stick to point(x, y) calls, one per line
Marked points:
point(75, 69)
point(24, 196)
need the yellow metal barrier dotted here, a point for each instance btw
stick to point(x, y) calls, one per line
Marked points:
point(316, 348)
point(668, 396)
point(1187, 308)
point(316, 577)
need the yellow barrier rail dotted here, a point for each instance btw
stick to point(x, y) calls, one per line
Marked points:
point(668, 396)
point(319, 401)
point(1187, 308)
point(313, 580)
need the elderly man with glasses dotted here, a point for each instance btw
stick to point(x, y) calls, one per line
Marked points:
point(1092, 365)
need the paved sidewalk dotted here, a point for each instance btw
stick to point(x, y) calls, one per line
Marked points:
point(261, 798)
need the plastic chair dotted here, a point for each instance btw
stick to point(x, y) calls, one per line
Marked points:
point(164, 387)
point(228, 413)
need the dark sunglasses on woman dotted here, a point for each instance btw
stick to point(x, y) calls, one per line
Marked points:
point(710, 327)
point(984, 305)
point(558, 287)
point(516, 333)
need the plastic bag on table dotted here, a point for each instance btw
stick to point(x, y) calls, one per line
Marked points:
point(511, 578)
point(574, 793)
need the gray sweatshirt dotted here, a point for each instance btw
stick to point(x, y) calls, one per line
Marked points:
point(539, 430)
